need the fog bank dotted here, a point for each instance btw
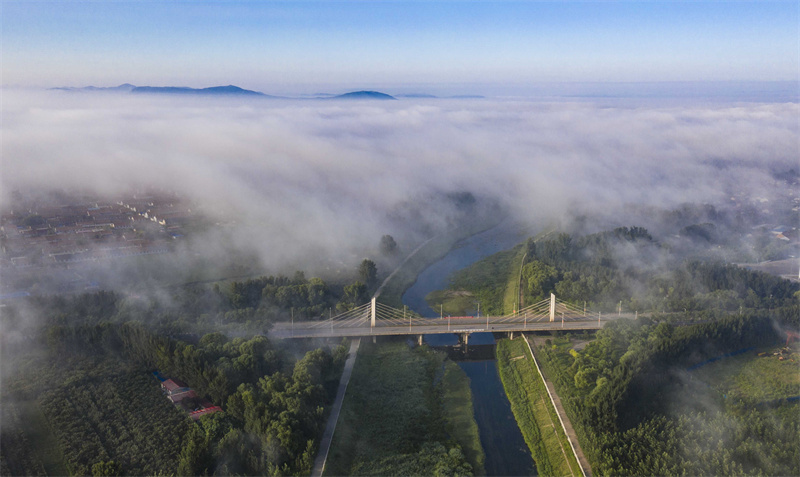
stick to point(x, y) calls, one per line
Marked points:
point(312, 180)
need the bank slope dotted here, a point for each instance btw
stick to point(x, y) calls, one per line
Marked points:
point(533, 411)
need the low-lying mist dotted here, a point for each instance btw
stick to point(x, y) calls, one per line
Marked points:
point(302, 182)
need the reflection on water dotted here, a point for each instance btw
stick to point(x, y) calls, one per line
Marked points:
point(458, 353)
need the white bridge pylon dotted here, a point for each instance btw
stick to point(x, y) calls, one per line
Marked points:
point(370, 314)
point(548, 310)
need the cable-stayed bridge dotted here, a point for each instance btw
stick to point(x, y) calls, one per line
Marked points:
point(377, 319)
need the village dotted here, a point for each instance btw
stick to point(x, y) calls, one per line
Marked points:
point(41, 234)
point(62, 232)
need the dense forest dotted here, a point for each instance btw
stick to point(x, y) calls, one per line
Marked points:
point(80, 366)
point(625, 267)
point(96, 392)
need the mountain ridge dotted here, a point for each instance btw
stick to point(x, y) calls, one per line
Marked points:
point(233, 90)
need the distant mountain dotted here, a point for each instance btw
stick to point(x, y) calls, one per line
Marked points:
point(212, 91)
point(364, 95)
point(416, 95)
point(229, 90)
point(468, 96)
point(125, 88)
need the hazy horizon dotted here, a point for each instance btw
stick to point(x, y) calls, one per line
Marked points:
point(255, 45)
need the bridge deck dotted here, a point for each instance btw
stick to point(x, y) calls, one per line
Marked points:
point(432, 326)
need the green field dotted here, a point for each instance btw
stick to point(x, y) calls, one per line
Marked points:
point(393, 421)
point(754, 378)
point(535, 415)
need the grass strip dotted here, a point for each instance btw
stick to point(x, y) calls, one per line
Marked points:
point(535, 415)
point(511, 294)
point(391, 409)
point(460, 416)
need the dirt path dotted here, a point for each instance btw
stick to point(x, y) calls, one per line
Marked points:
point(570, 431)
point(330, 427)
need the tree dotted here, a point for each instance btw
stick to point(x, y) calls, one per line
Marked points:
point(102, 469)
point(368, 273)
point(354, 295)
point(388, 246)
point(540, 278)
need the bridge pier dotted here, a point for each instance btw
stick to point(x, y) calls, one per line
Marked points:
point(419, 340)
point(511, 335)
point(463, 338)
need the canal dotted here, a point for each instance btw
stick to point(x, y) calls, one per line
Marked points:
point(501, 439)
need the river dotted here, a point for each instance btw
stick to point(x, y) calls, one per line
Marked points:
point(502, 441)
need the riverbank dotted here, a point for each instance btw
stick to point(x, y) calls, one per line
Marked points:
point(459, 416)
point(533, 410)
point(406, 274)
point(494, 281)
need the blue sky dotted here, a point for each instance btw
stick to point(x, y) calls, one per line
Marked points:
point(274, 46)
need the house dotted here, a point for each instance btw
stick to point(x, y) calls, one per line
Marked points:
point(172, 385)
point(202, 412)
point(181, 394)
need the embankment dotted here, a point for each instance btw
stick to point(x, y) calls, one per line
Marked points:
point(533, 410)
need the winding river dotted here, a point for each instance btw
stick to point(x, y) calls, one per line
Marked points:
point(502, 441)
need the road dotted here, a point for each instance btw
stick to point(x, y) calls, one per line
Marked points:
point(330, 427)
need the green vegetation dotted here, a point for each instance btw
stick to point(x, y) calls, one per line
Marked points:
point(115, 414)
point(460, 416)
point(754, 378)
point(453, 303)
point(494, 281)
point(535, 415)
point(94, 410)
point(639, 410)
point(393, 420)
point(249, 306)
point(27, 443)
point(105, 413)
point(607, 268)
point(487, 280)
point(632, 395)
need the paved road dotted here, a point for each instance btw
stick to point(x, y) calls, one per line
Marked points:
point(330, 427)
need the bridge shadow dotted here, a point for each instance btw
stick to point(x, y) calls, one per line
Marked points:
point(460, 352)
